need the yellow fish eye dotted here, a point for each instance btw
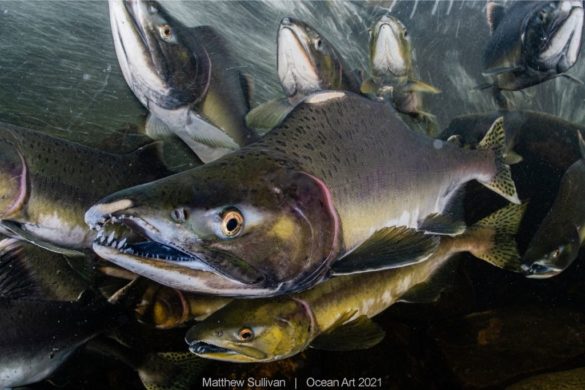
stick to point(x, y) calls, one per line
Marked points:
point(232, 223)
point(246, 334)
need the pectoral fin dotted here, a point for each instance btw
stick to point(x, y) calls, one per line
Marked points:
point(442, 224)
point(267, 116)
point(15, 281)
point(391, 247)
point(369, 87)
point(13, 229)
point(156, 129)
point(500, 70)
point(419, 86)
point(361, 333)
point(207, 134)
point(571, 77)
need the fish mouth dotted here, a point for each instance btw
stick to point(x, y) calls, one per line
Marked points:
point(387, 55)
point(295, 65)
point(133, 236)
point(562, 49)
point(215, 352)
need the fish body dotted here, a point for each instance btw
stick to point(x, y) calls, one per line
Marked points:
point(342, 173)
point(186, 77)
point(393, 72)
point(47, 184)
point(557, 242)
point(532, 41)
point(271, 329)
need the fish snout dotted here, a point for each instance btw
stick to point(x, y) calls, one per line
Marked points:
point(98, 214)
point(286, 22)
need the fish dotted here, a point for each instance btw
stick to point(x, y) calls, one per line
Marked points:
point(47, 184)
point(531, 42)
point(570, 379)
point(306, 62)
point(560, 236)
point(166, 308)
point(342, 182)
point(185, 76)
point(335, 315)
point(393, 72)
point(56, 277)
point(39, 335)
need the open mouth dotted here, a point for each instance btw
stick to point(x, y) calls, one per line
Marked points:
point(202, 348)
point(128, 235)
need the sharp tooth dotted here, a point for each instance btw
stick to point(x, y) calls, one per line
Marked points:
point(122, 244)
point(110, 238)
point(114, 244)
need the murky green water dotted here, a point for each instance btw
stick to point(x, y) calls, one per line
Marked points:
point(59, 74)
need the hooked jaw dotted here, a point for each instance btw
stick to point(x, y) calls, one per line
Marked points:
point(387, 50)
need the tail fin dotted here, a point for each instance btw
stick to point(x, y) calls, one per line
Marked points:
point(501, 226)
point(502, 182)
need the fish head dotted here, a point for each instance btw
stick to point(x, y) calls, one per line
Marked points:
point(248, 217)
point(306, 61)
point(251, 331)
point(547, 256)
point(390, 50)
point(161, 62)
point(552, 38)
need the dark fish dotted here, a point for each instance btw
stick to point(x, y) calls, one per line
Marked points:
point(341, 182)
point(39, 335)
point(532, 41)
point(557, 242)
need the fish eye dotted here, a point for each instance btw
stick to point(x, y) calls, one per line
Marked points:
point(166, 32)
point(246, 334)
point(318, 44)
point(232, 223)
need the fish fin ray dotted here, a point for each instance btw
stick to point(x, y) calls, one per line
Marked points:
point(15, 278)
point(502, 182)
point(361, 333)
point(419, 86)
point(442, 224)
point(571, 78)
point(268, 115)
point(156, 129)
point(499, 70)
point(202, 131)
point(504, 225)
point(387, 248)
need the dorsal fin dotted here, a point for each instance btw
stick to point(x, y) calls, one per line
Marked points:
point(15, 280)
point(494, 14)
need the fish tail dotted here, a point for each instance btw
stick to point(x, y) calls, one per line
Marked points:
point(502, 182)
point(501, 227)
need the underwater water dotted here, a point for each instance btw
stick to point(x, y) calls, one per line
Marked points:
point(491, 328)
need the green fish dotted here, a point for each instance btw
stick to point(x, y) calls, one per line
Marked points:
point(394, 74)
point(531, 42)
point(567, 380)
point(47, 184)
point(336, 314)
point(558, 240)
point(306, 62)
point(342, 184)
point(185, 76)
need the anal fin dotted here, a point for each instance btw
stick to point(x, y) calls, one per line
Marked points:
point(387, 248)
